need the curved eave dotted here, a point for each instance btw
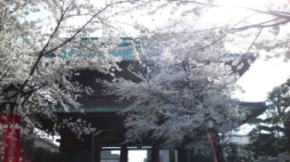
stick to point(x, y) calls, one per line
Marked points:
point(253, 109)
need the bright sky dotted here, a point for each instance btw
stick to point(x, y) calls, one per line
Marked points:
point(260, 80)
point(262, 77)
point(264, 74)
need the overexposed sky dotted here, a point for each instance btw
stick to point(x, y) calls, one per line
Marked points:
point(262, 77)
point(264, 74)
point(259, 81)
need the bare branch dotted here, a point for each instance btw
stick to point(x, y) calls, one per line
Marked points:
point(81, 28)
point(280, 14)
point(262, 25)
point(225, 34)
point(280, 19)
point(198, 3)
point(213, 42)
point(254, 41)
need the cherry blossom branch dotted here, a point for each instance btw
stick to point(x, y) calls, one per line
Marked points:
point(44, 52)
point(84, 26)
point(28, 94)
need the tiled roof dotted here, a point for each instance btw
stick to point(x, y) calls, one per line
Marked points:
point(93, 110)
point(254, 108)
point(125, 49)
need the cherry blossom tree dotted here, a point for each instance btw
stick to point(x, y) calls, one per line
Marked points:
point(188, 75)
point(37, 36)
point(36, 58)
point(185, 92)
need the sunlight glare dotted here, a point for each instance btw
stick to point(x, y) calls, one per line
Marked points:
point(262, 77)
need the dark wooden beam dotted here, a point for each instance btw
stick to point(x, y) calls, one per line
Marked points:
point(93, 149)
point(124, 154)
point(154, 154)
point(98, 154)
point(172, 155)
point(182, 155)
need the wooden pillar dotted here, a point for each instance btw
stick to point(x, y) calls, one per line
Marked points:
point(98, 154)
point(182, 155)
point(12, 139)
point(154, 154)
point(93, 149)
point(172, 155)
point(124, 154)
